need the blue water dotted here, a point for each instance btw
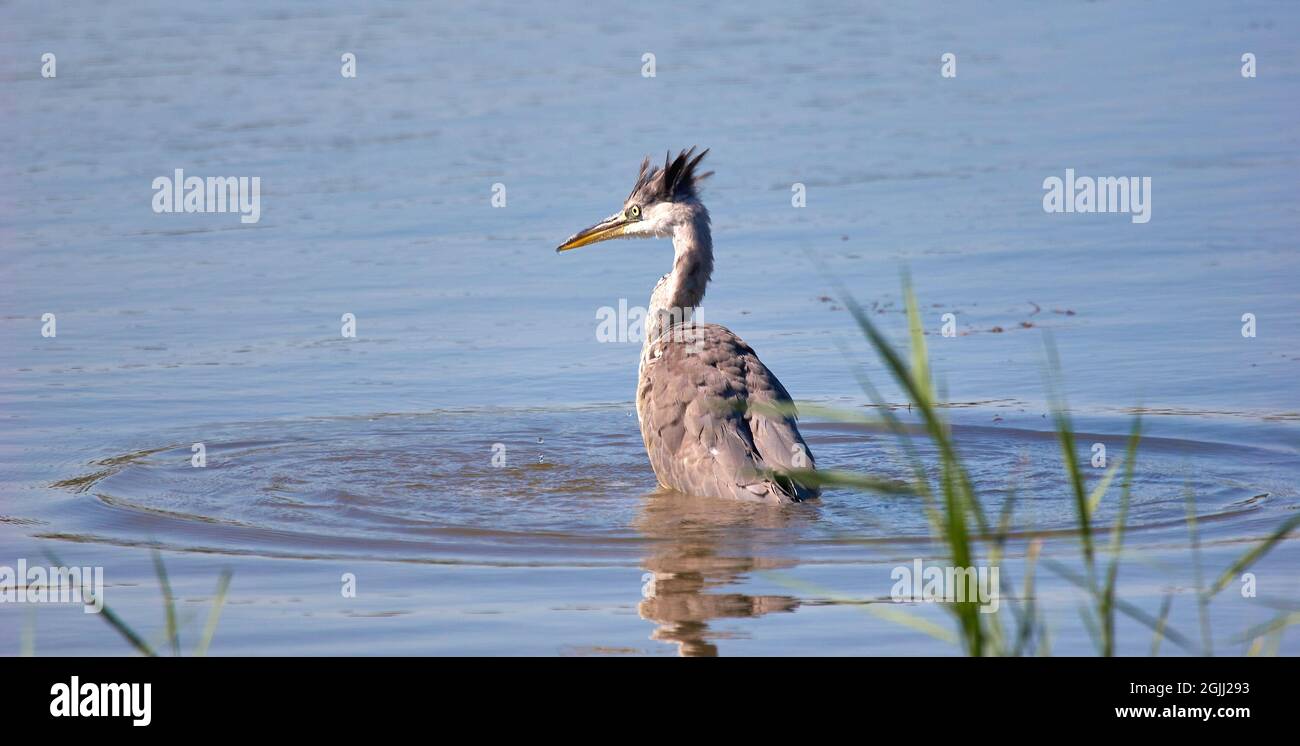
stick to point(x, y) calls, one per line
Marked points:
point(372, 455)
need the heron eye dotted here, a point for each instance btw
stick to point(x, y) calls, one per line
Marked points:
point(634, 212)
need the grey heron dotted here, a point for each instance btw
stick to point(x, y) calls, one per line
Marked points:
point(715, 421)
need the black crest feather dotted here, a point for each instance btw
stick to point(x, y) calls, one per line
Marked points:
point(676, 181)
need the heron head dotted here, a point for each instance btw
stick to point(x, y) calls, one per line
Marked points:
point(661, 199)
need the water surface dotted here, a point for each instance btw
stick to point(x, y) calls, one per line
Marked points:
point(373, 455)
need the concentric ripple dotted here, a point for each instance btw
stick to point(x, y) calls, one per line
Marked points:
point(574, 487)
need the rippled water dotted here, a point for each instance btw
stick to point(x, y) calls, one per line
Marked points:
point(572, 488)
point(374, 456)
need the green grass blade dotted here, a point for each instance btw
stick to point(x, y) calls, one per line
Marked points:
point(1276, 624)
point(1161, 621)
point(210, 629)
point(1125, 607)
point(1107, 604)
point(1250, 557)
point(1025, 630)
point(111, 618)
point(1099, 491)
point(1202, 601)
point(1065, 434)
point(841, 478)
point(169, 603)
point(900, 372)
point(921, 379)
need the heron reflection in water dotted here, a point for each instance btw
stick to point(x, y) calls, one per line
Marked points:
point(701, 548)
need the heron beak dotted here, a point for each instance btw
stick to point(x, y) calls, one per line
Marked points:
point(611, 227)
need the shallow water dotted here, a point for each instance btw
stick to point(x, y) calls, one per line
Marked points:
point(374, 455)
point(387, 488)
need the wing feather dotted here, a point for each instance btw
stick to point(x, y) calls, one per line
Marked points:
point(715, 419)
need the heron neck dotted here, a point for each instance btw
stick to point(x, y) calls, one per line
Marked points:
point(677, 297)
